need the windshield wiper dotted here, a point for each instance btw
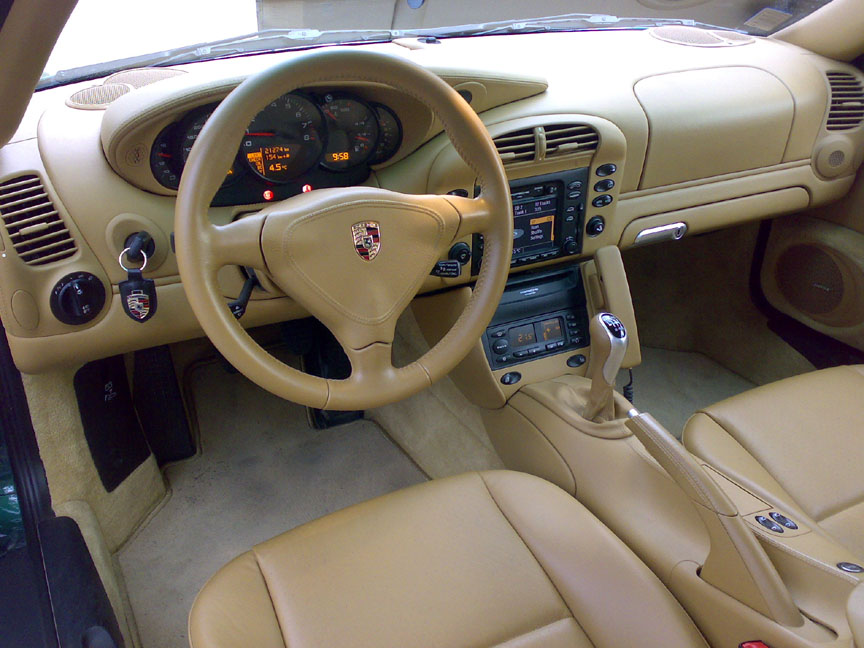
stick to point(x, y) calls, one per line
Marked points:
point(269, 40)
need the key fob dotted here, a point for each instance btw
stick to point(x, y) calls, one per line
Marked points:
point(138, 296)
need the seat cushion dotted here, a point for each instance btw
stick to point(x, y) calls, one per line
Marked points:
point(482, 559)
point(797, 443)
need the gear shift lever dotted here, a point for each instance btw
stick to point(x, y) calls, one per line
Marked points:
point(608, 346)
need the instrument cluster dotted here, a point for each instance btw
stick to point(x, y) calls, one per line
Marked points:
point(300, 141)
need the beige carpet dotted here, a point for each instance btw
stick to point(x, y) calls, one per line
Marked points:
point(672, 385)
point(262, 470)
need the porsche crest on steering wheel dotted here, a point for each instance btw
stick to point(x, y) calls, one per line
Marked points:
point(367, 239)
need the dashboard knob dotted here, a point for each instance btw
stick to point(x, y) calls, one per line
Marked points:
point(595, 226)
point(77, 298)
point(570, 246)
point(460, 252)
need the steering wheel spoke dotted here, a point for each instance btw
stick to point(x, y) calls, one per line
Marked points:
point(475, 215)
point(239, 242)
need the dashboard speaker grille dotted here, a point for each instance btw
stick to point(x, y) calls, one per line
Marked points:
point(140, 77)
point(36, 230)
point(97, 97)
point(697, 37)
point(847, 101)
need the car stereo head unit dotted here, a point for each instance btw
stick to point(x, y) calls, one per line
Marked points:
point(548, 211)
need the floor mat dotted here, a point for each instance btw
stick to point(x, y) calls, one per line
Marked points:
point(262, 471)
point(672, 385)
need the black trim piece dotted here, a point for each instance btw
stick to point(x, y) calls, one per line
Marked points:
point(79, 599)
point(28, 472)
point(821, 350)
point(20, 601)
point(112, 430)
point(5, 8)
point(159, 404)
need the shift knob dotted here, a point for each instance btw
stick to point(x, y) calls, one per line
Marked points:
point(608, 346)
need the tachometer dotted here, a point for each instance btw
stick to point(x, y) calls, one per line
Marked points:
point(352, 132)
point(389, 134)
point(284, 140)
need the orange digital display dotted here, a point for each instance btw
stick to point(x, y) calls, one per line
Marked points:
point(269, 158)
point(339, 156)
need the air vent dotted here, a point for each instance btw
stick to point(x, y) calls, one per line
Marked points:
point(37, 232)
point(552, 140)
point(847, 101)
point(565, 139)
point(518, 146)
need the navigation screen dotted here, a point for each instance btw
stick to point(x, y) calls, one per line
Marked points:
point(533, 224)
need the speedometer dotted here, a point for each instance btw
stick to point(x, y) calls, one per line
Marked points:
point(352, 132)
point(192, 125)
point(284, 140)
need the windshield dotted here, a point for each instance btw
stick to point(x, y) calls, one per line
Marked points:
point(103, 36)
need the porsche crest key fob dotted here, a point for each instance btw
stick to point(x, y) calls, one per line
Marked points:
point(137, 294)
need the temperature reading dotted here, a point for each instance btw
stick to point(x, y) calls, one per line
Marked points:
point(551, 329)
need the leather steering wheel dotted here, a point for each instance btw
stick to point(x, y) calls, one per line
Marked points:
point(306, 246)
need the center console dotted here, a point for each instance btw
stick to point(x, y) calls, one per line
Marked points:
point(540, 314)
point(548, 211)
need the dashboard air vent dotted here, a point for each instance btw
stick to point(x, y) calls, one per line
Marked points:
point(847, 101)
point(564, 139)
point(518, 146)
point(541, 142)
point(35, 228)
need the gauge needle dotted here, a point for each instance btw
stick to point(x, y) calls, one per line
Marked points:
point(165, 155)
point(261, 134)
point(362, 139)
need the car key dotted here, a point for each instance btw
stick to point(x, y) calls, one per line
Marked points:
point(137, 294)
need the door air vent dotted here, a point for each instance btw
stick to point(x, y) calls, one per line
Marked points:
point(564, 139)
point(847, 101)
point(541, 142)
point(518, 146)
point(35, 228)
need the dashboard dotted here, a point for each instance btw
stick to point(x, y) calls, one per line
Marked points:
point(663, 138)
point(301, 141)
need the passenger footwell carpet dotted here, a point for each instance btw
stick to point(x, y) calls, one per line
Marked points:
point(262, 470)
point(673, 385)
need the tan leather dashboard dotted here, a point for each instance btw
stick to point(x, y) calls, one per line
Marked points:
point(705, 136)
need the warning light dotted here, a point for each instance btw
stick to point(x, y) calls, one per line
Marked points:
point(307, 188)
point(268, 195)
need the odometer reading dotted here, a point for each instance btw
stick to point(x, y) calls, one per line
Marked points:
point(284, 139)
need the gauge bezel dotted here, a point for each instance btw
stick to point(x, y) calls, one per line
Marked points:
point(375, 106)
point(169, 135)
point(335, 96)
point(322, 134)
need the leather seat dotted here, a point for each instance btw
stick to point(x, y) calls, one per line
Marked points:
point(483, 559)
point(798, 444)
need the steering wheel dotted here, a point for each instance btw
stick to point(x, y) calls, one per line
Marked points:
point(306, 244)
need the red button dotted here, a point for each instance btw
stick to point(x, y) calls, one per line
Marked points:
point(754, 644)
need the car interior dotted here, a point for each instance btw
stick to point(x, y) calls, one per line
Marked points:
point(426, 323)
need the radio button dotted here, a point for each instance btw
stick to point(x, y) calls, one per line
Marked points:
point(574, 195)
point(534, 350)
point(520, 354)
point(606, 170)
point(602, 201)
point(538, 190)
point(569, 218)
point(604, 185)
point(532, 258)
point(499, 334)
point(576, 184)
point(502, 359)
point(570, 210)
